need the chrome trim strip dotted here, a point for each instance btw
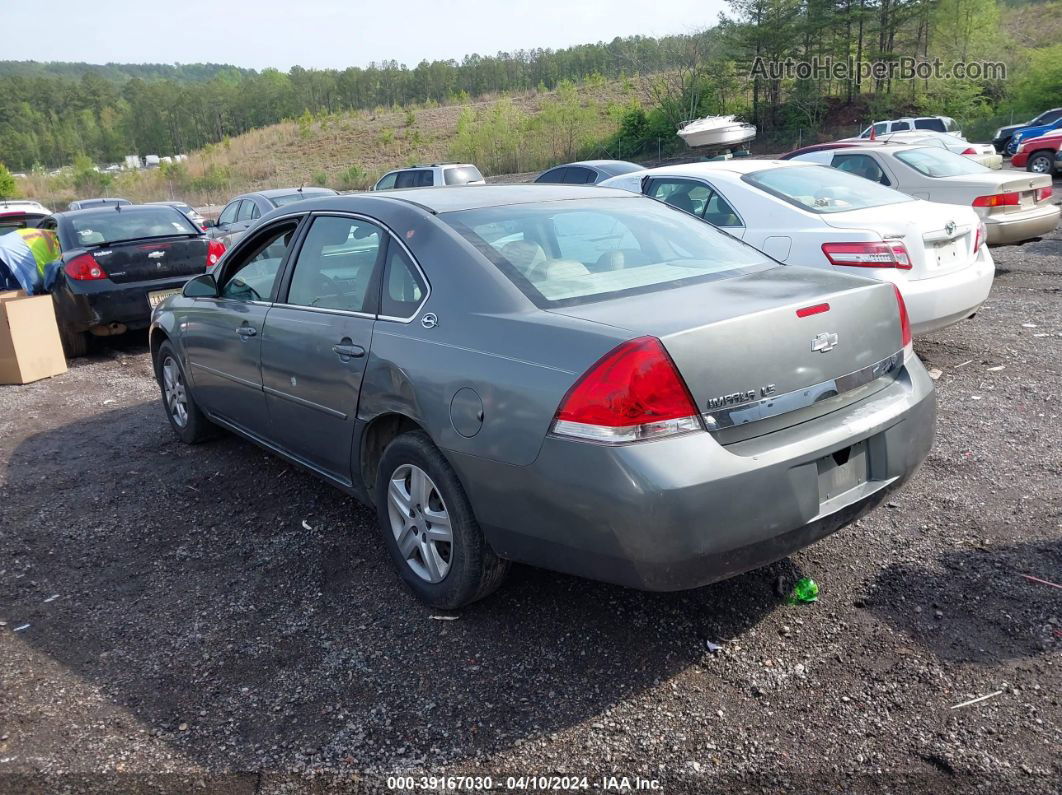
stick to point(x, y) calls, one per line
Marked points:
point(802, 398)
point(326, 310)
point(228, 376)
point(304, 402)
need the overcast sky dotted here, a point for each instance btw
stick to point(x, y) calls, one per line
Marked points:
point(326, 33)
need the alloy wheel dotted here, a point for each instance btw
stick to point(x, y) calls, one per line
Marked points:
point(174, 390)
point(1040, 165)
point(420, 523)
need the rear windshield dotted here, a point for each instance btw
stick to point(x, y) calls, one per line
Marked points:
point(932, 124)
point(112, 226)
point(298, 196)
point(824, 190)
point(10, 222)
point(940, 163)
point(462, 175)
point(571, 252)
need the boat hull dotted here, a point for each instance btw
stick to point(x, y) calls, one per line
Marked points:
point(726, 135)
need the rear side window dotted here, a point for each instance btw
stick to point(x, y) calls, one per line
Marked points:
point(406, 179)
point(686, 194)
point(246, 208)
point(898, 126)
point(425, 179)
point(576, 251)
point(335, 264)
point(462, 175)
point(862, 166)
point(577, 175)
point(403, 288)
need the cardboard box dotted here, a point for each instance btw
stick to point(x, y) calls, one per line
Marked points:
point(29, 338)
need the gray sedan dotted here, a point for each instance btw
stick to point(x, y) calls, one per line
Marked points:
point(577, 378)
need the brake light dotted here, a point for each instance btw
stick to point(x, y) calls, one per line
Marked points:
point(215, 248)
point(84, 268)
point(633, 393)
point(905, 324)
point(1010, 199)
point(816, 309)
point(1044, 193)
point(969, 151)
point(868, 255)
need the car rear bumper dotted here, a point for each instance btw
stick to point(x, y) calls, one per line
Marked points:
point(683, 512)
point(82, 306)
point(1008, 228)
point(942, 301)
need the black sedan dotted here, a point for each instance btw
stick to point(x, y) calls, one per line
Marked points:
point(118, 263)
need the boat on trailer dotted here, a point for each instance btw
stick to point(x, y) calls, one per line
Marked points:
point(716, 132)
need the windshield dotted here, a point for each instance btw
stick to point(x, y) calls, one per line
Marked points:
point(461, 175)
point(824, 190)
point(940, 163)
point(110, 226)
point(569, 252)
point(12, 221)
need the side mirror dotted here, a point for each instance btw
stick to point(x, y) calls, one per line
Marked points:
point(202, 286)
point(209, 223)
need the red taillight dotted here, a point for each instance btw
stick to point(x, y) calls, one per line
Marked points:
point(215, 248)
point(632, 393)
point(1044, 193)
point(817, 309)
point(998, 200)
point(905, 321)
point(84, 268)
point(969, 151)
point(868, 255)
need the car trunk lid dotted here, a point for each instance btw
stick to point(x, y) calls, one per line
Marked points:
point(1026, 186)
point(147, 260)
point(758, 350)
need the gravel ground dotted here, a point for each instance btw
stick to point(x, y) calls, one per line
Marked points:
point(213, 618)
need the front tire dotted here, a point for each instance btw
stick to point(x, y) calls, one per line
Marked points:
point(1040, 163)
point(186, 419)
point(428, 526)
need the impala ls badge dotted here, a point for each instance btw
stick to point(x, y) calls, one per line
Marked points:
point(157, 254)
point(824, 342)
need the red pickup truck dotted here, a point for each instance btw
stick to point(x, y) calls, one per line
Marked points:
point(1038, 154)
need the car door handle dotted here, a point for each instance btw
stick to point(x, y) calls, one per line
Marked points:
point(246, 331)
point(346, 350)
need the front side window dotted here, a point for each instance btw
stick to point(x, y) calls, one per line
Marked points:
point(823, 190)
point(387, 181)
point(862, 166)
point(940, 163)
point(404, 288)
point(571, 252)
point(335, 265)
point(228, 215)
point(686, 194)
point(251, 277)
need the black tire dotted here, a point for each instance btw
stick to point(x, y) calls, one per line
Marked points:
point(474, 570)
point(196, 427)
point(1047, 160)
point(75, 343)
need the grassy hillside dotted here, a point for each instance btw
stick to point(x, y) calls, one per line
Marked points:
point(349, 150)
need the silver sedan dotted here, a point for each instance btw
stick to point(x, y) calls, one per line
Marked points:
point(577, 378)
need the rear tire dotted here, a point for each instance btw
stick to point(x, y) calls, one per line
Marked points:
point(187, 421)
point(75, 343)
point(1040, 163)
point(428, 526)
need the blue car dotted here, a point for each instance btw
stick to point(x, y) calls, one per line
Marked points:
point(1025, 133)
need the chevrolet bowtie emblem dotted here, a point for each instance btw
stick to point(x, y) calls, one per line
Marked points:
point(824, 342)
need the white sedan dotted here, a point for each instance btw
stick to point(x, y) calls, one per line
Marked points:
point(985, 154)
point(803, 214)
point(1015, 207)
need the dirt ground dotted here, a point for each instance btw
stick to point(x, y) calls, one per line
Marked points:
point(179, 618)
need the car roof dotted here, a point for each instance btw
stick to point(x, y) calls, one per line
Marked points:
point(738, 166)
point(883, 145)
point(269, 193)
point(452, 198)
